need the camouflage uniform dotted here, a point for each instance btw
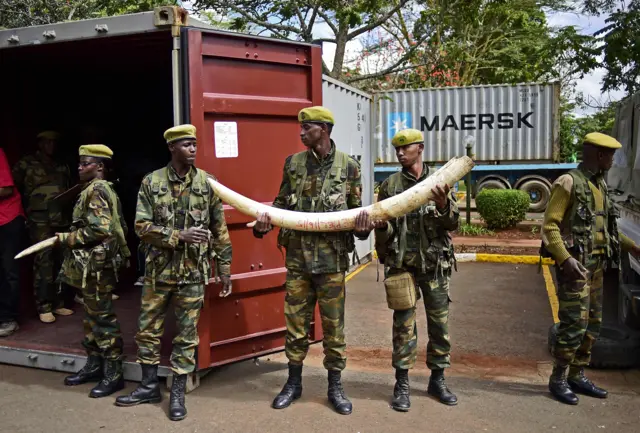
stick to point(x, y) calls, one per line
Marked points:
point(419, 243)
point(40, 179)
point(580, 223)
point(168, 204)
point(95, 251)
point(316, 262)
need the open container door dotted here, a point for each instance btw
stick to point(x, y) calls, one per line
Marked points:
point(243, 93)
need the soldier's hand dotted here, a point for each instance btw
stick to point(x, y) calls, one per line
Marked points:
point(379, 224)
point(573, 269)
point(364, 224)
point(194, 235)
point(57, 241)
point(635, 251)
point(440, 195)
point(226, 286)
point(264, 223)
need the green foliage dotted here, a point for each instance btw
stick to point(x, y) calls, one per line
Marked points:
point(502, 208)
point(573, 128)
point(474, 230)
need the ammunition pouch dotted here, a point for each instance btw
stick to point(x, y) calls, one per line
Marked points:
point(401, 291)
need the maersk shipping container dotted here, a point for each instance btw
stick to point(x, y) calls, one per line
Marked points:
point(508, 123)
point(352, 134)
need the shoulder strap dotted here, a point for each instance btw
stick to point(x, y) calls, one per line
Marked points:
point(298, 172)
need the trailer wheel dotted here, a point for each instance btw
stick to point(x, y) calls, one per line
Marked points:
point(539, 193)
point(490, 184)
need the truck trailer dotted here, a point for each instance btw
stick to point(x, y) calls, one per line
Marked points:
point(514, 131)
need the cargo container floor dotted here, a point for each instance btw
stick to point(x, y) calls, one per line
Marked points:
point(58, 346)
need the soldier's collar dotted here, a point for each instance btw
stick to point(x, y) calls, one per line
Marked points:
point(174, 177)
point(329, 155)
point(425, 173)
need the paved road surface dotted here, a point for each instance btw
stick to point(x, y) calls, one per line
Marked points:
point(500, 316)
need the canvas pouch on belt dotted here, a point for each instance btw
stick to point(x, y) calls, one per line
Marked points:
point(401, 291)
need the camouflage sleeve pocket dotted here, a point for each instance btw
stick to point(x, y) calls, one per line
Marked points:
point(401, 291)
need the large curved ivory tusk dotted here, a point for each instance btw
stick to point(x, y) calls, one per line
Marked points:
point(42, 245)
point(389, 208)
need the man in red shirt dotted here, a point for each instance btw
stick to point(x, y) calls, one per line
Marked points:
point(11, 229)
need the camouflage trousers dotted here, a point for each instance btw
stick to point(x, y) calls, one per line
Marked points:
point(47, 294)
point(435, 293)
point(188, 301)
point(303, 290)
point(102, 335)
point(580, 314)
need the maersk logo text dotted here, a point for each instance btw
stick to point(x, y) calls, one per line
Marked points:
point(471, 122)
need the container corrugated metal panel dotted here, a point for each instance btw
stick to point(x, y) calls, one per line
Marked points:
point(351, 109)
point(507, 122)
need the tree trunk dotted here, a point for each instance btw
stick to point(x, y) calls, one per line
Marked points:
point(341, 49)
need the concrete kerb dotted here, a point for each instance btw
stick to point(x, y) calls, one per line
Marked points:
point(497, 258)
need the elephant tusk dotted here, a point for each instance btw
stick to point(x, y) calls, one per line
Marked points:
point(390, 208)
point(42, 245)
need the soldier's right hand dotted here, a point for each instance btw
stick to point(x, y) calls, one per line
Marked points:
point(194, 235)
point(264, 223)
point(573, 269)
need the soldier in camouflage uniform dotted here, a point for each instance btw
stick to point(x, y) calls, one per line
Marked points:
point(320, 179)
point(39, 178)
point(181, 223)
point(580, 233)
point(95, 249)
point(419, 243)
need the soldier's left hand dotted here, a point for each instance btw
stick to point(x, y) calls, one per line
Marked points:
point(226, 286)
point(441, 195)
point(363, 223)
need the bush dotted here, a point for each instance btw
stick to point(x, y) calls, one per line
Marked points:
point(502, 208)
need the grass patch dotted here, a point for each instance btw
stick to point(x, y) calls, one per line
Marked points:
point(474, 230)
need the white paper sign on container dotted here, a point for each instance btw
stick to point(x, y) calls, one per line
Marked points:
point(226, 139)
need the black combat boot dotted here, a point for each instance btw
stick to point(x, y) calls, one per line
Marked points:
point(580, 384)
point(177, 409)
point(400, 400)
point(113, 380)
point(438, 388)
point(559, 387)
point(147, 392)
point(91, 372)
point(336, 395)
point(292, 390)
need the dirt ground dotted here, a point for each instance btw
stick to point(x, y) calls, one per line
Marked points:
point(500, 315)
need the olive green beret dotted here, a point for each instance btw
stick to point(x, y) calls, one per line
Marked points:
point(180, 132)
point(315, 115)
point(95, 150)
point(49, 135)
point(406, 137)
point(602, 140)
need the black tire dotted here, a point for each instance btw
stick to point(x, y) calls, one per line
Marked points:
point(614, 348)
point(539, 193)
point(490, 184)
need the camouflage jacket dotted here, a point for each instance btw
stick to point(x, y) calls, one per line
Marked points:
point(96, 241)
point(39, 180)
point(319, 186)
point(168, 204)
point(420, 239)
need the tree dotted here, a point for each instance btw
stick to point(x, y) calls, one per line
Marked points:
point(26, 13)
point(346, 20)
point(473, 42)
